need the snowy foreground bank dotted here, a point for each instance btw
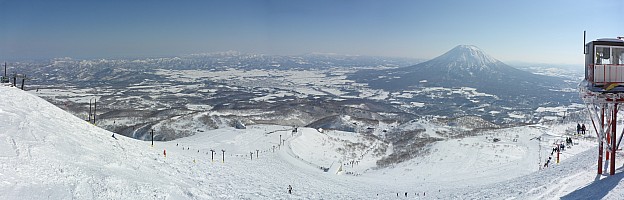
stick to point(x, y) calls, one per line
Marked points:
point(46, 153)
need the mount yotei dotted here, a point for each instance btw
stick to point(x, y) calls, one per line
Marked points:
point(463, 66)
point(468, 66)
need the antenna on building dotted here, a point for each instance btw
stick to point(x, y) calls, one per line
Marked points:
point(584, 48)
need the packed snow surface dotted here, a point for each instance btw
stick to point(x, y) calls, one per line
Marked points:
point(46, 153)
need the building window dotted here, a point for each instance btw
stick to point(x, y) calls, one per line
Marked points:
point(618, 55)
point(603, 54)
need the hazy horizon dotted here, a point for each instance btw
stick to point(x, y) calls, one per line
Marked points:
point(527, 31)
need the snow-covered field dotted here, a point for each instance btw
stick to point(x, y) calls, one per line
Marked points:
point(46, 153)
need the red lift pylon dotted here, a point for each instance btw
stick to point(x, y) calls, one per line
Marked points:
point(604, 120)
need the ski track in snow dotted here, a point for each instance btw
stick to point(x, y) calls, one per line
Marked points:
point(46, 153)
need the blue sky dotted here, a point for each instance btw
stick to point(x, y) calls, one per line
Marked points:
point(530, 30)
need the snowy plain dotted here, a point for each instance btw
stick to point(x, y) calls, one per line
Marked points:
point(46, 153)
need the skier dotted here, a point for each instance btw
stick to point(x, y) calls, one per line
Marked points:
point(114, 136)
point(165, 152)
point(578, 128)
point(547, 162)
point(289, 189)
point(583, 129)
point(406, 194)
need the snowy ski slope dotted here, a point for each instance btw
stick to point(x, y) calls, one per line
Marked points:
point(46, 153)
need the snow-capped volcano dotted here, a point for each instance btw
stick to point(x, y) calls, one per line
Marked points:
point(466, 63)
point(462, 66)
point(468, 56)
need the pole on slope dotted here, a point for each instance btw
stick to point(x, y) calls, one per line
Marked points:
point(152, 133)
point(558, 151)
point(223, 155)
point(251, 155)
point(94, 110)
point(539, 151)
point(23, 79)
point(280, 139)
point(90, 110)
point(212, 155)
point(257, 153)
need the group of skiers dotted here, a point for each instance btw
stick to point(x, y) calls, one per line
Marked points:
point(569, 141)
point(558, 148)
point(580, 129)
point(424, 194)
point(417, 194)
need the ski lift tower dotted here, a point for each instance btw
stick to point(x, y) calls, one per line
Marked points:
point(602, 90)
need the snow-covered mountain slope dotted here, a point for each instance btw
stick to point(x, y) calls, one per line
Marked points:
point(46, 153)
point(49, 154)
